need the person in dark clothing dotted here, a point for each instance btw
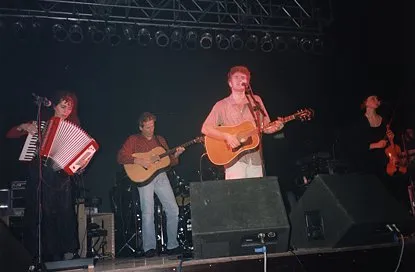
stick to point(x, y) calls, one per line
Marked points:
point(59, 234)
point(371, 135)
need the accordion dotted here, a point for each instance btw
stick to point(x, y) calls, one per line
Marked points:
point(67, 145)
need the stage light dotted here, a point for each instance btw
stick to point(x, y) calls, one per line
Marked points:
point(36, 30)
point(236, 42)
point(191, 40)
point(176, 40)
point(76, 34)
point(222, 42)
point(306, 45)
point(97, 36)
point(206, 40)
point(128, 33)
point(280, 44)
point(20, 30)
point(113, 38)
point(162, 39)
point(144, 37)
point(266, 43)
point(59, 32)
point(251, 42)
point(318, 46)
point(292, 41)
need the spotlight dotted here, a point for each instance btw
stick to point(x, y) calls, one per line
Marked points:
point(236, 42)
point(20, 31)
point(306, 45)
point(318, 46)
point(144, 37)
point(222, 42)
point(128, 33)
point(113, 38)
point(266, 43)
point(191, 40)
point(97, 36)
point(252, 42)
point(176, 40)
point(293, 41)
point(76, 34)
point(59, 32)
point(162, 39)
point(36, 30)
point(206, 41)
point(280, 44)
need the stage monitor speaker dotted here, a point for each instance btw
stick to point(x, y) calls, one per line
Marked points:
point(229, 217)
point(344, 210)
point(13, 256)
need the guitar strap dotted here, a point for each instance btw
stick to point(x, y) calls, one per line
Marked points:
point(258, 120)
point(158, 141)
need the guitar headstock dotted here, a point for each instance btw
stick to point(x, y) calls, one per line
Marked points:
point(304, 114)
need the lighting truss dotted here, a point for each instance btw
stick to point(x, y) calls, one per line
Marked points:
point(282, 16)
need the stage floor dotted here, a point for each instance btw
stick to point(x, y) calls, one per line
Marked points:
point(380, 257)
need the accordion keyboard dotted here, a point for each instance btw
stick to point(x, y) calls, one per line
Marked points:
point(29, 148)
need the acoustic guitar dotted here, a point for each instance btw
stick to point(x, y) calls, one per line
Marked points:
point(220, 153)
point(160, 161)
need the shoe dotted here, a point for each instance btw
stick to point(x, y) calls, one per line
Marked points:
point(150, 253)
point(175, 251)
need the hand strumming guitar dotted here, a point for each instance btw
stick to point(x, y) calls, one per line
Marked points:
point(231, 140)
point(144, 162)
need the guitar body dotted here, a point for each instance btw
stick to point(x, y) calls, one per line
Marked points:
point(143, 176)
point(220, 153)
point(395, 162)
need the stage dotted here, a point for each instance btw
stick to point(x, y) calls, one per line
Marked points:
point(379, 257)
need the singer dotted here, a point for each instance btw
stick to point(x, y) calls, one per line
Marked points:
point(241, 105)
point(59, 235)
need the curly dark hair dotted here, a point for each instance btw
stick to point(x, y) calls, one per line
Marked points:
point(69, 97)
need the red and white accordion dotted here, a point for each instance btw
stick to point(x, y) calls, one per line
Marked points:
point(67, 145)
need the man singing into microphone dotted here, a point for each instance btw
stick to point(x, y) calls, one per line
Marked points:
point(233, 110)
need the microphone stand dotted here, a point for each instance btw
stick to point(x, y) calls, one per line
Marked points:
point(256, 110)
point(39, 265)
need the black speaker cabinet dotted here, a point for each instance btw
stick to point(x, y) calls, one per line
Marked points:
point(344, 210)
point(13, 256)
point(229, 217)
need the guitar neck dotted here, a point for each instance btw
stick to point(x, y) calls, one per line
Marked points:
point(173, 150)
point(284, 120)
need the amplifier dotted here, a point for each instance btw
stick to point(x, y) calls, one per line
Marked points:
point(17, 195)
point(105, 221)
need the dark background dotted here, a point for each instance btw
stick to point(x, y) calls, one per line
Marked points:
point(369, 51)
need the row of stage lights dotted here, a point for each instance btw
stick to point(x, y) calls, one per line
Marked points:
point(177, 39)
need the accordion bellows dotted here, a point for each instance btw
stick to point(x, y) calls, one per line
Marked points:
point(67, 145)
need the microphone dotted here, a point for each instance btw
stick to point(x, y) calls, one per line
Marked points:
point(42, 100)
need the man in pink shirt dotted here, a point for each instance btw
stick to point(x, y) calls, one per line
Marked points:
point(233, 110)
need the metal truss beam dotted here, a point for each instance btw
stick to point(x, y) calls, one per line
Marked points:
point(283, 16)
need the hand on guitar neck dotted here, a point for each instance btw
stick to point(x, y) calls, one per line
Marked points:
point(234, 141)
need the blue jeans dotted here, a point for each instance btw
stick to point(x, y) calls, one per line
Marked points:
point(162, 188)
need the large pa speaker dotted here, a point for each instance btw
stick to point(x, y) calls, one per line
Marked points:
point(344, 210)
point(13, 256)
point(229, 217)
